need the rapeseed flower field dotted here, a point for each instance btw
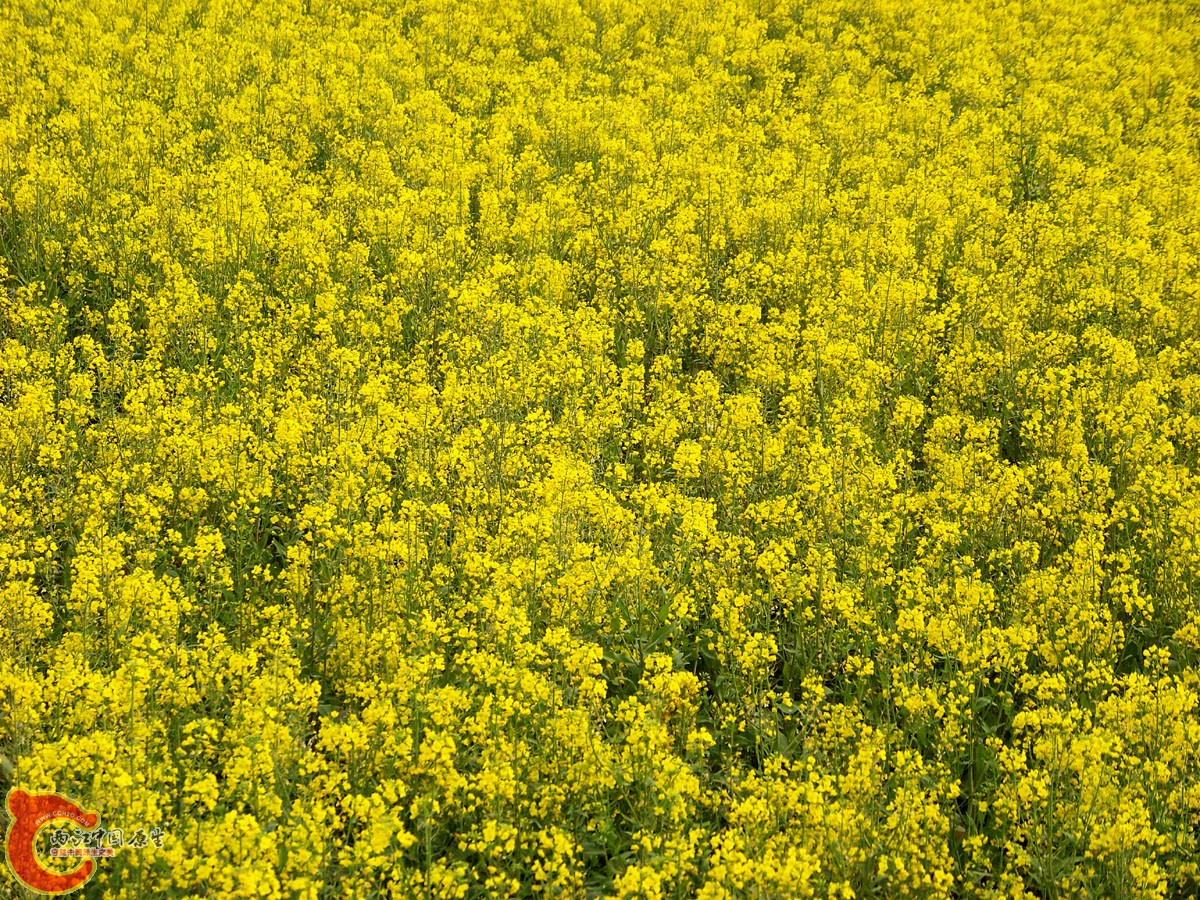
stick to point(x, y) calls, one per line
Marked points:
point(625, 448)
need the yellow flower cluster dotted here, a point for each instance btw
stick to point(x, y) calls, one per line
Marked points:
point(637, 448)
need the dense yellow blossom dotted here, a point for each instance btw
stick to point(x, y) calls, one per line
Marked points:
point(569, 448)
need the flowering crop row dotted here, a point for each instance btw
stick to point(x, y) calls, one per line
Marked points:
point(641, 448)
